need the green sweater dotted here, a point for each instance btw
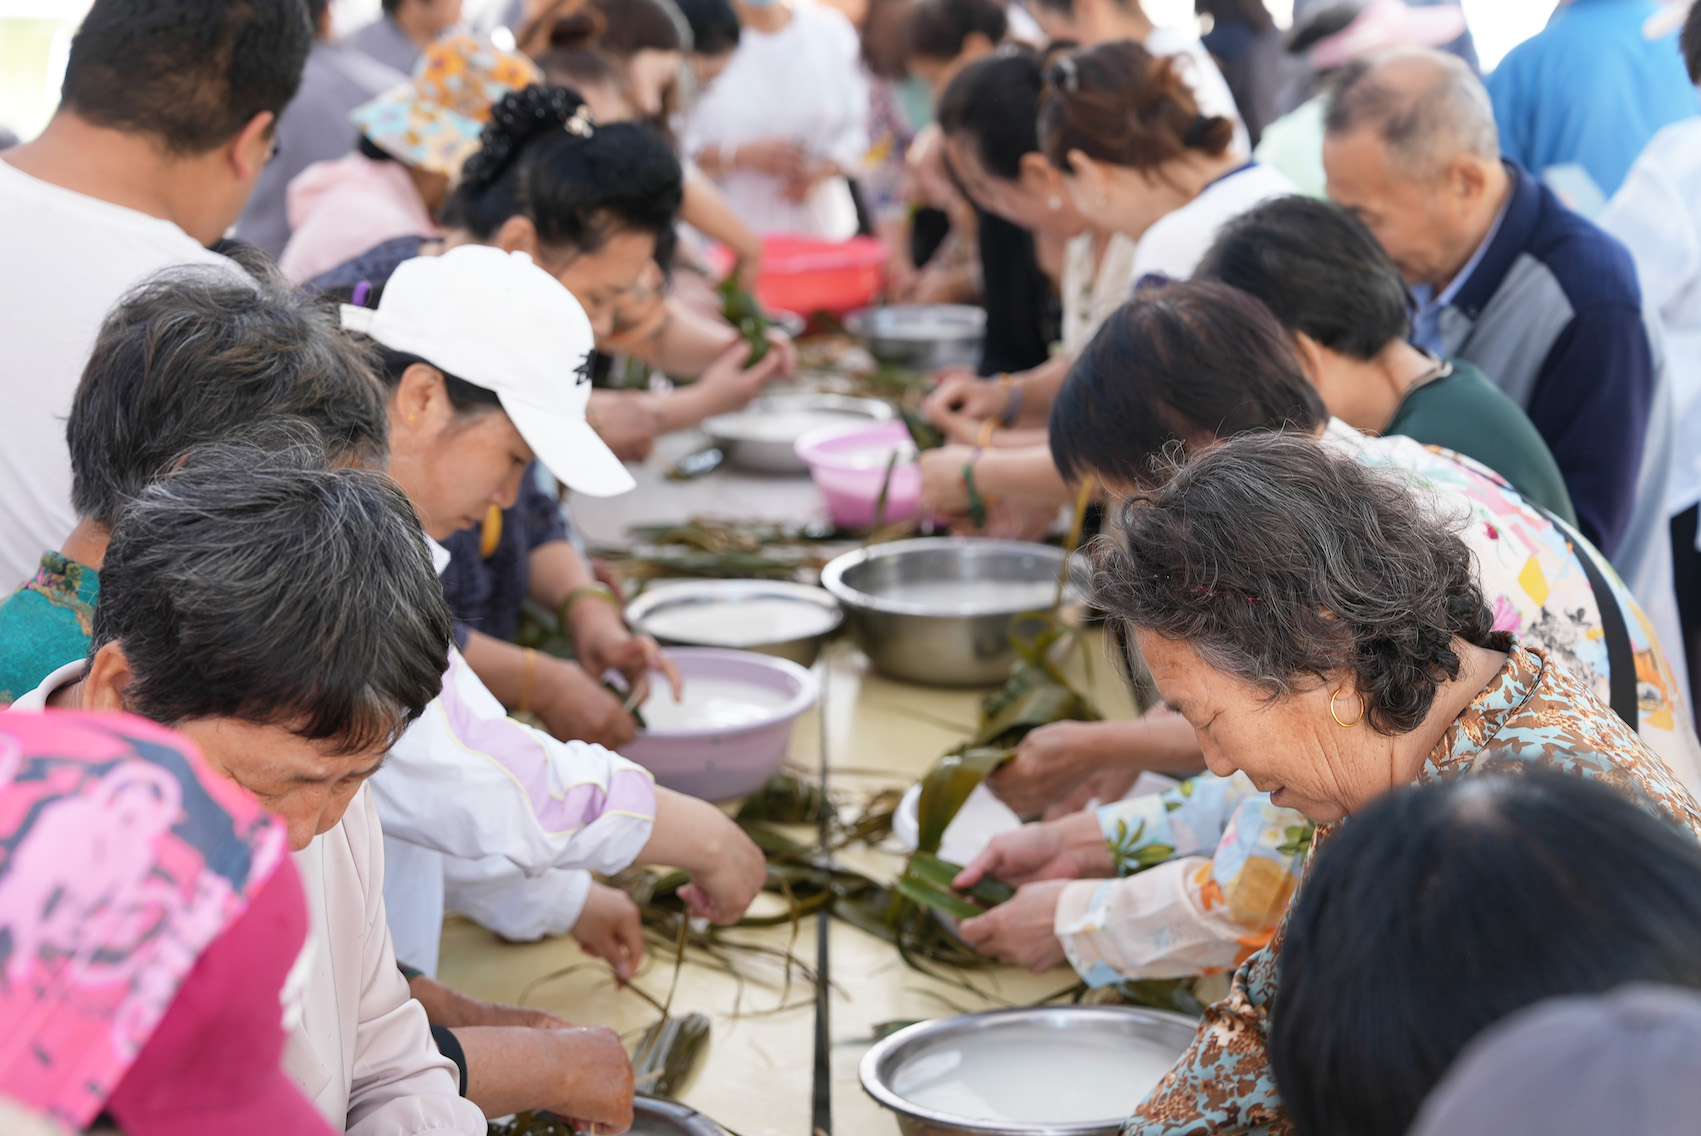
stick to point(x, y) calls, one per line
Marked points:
point(44, 623)
point(1465, 412)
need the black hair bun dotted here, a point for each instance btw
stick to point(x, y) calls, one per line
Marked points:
point(515, 120)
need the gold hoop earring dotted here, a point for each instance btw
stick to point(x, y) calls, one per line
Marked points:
point(1335, 714)
point(413, 418)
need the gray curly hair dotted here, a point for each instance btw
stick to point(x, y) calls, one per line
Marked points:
point(1283, 565)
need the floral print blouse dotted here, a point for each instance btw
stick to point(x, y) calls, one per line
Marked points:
point(1217, 862)
point(1533, 711)
point(45, 622)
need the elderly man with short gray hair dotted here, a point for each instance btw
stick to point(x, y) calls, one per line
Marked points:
point(1508, 278)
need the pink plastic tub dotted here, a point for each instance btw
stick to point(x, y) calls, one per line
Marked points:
point(806, 275)
point(716, 763)
point(849, 464)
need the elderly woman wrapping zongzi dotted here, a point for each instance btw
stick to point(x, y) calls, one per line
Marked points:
point(1323, 632)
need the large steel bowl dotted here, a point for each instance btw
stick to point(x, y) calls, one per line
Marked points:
point(959, 639)
point(650, 613)
point(922, 337)
point(948, 1045)
point(763, 436)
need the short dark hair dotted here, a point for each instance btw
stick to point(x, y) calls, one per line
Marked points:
point(579, 191)
point(254, 582)
point(1121, 104)
point(994, 101)
point(191, 73)
point(714, 26)
point(1283, 564)
point(1439, 911)
point(938, 29)
point(195, 353)
point(1319, 271)
point(1691, 43)
point(1184, 363)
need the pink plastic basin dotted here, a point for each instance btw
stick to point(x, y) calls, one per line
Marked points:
point(849, 464)
point(806, 275)
point(718, 763)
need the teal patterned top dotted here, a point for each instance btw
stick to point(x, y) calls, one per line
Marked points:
point(46, 621)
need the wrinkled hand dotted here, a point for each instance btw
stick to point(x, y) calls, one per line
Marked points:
point(736, 874)
point(610, 928)
point(1050, 764)
point(1066, 849)
point(626, 421)
point(942, 490)
point(595, 1086)
point(728, 384)
point(576, 707)
point(1020, 930)
point(1104, 786)
point(604, 643)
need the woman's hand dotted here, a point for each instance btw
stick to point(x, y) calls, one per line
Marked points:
point(943, 491)
point(626, 420)
point(604, 643)
point(776, 157)
point(576, 707)
point(595, 1084)
point(726, 867)
point(1050, 764)
point(728, 384)
point(1020, 930)
point(610, 928)
point(960, 394)
point(1066, 849)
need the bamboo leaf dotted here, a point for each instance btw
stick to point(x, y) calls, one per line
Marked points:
point(947, 785)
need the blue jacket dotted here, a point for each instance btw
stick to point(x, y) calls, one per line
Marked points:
point(1590, 89)
point(1553, 314)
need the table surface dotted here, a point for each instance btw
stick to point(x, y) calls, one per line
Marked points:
point(756, 1077)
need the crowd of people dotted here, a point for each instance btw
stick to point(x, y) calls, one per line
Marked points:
point(1384, 377)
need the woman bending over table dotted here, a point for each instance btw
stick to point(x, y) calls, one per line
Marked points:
point(1324, 635)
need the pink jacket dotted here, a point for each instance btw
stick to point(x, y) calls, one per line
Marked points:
point(341, 208)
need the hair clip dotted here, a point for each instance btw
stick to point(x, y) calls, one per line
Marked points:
point(1196, 131)
point(580, 123)
point(1218, 593)
point(361, 291)
point(1065, 73)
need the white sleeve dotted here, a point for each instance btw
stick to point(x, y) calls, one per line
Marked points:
point(469, 781)
point(1655, 220)
point(495, 895)
point(848, 143)
point(401, 1085)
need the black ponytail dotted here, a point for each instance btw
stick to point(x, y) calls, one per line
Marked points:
point(543, 157)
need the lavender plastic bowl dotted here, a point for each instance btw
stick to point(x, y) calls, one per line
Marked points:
point(729, 761)
point(848, 464)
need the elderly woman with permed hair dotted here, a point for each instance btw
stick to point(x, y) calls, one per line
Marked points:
point(1323, 632)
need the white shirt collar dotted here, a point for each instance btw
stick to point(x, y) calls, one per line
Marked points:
point(440, 556)
point(37, 698)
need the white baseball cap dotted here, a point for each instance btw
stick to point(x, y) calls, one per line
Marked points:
point(498, 321)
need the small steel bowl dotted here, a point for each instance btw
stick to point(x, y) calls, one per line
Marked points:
point(1041, 1026)
point(763, 436)
point(963, 643)
point(648, 614)
point(922, 337)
